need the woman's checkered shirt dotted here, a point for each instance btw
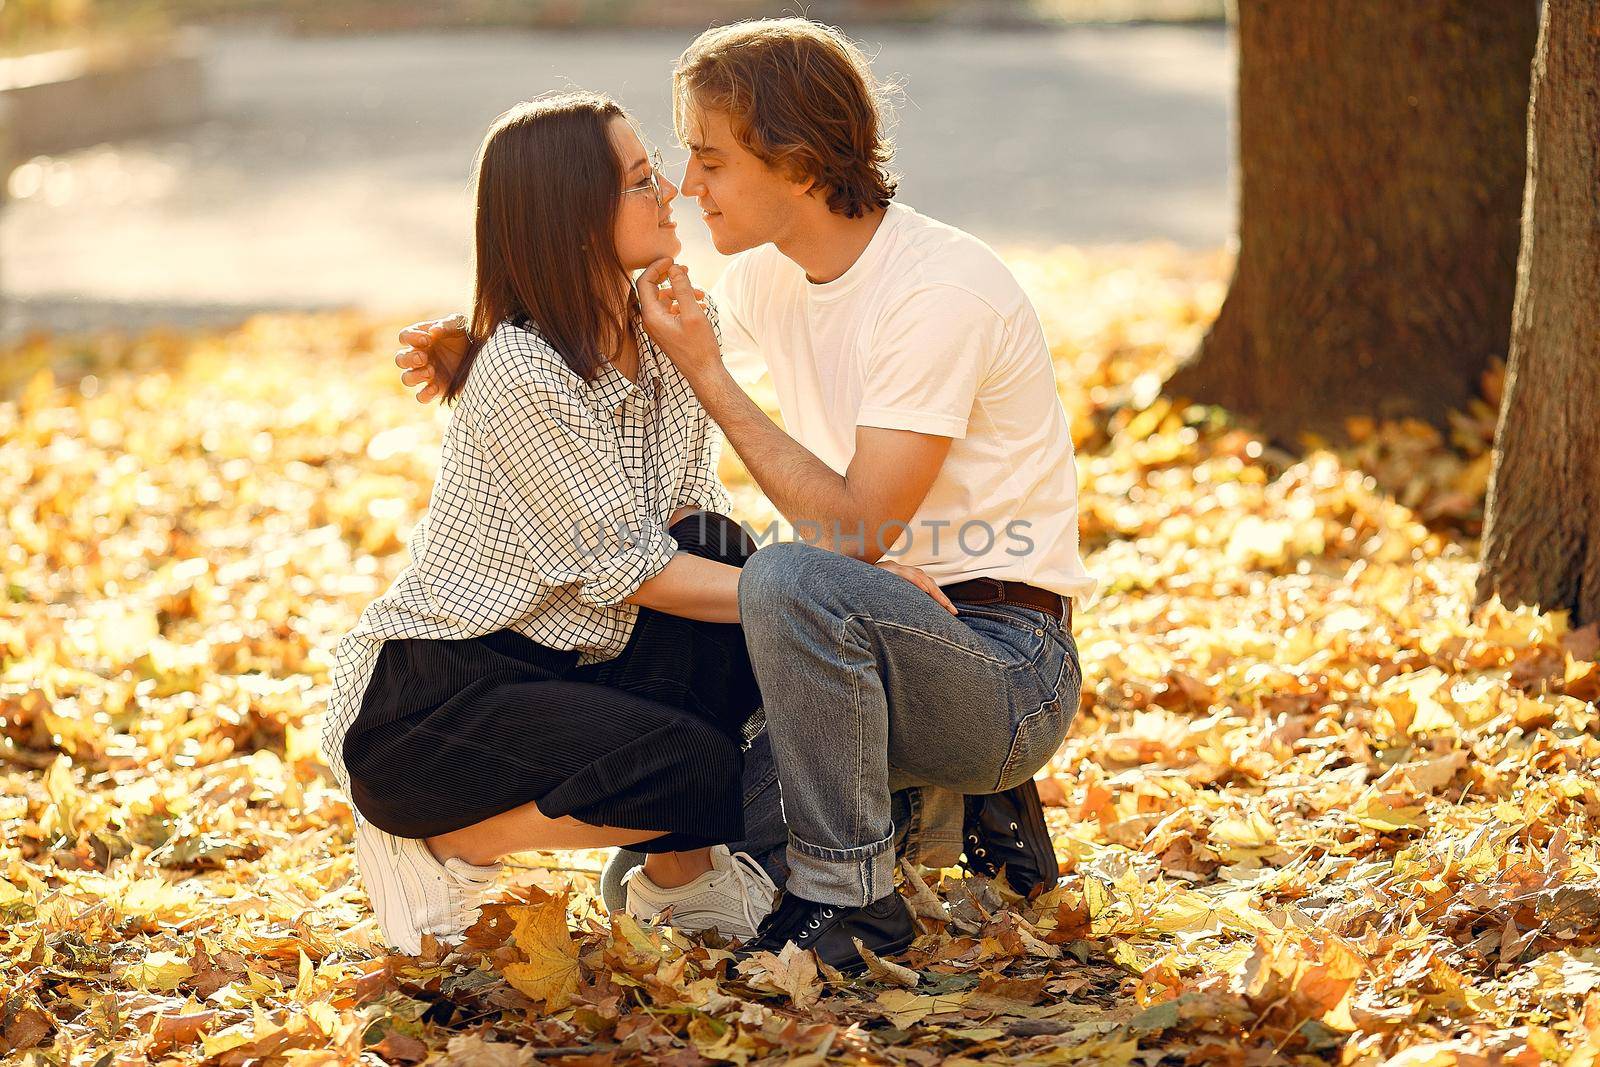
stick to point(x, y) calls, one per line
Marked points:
point(550, 507)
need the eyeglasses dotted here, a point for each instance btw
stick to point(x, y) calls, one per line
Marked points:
point(652, 181)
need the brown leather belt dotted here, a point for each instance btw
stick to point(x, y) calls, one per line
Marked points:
point(1001, 591)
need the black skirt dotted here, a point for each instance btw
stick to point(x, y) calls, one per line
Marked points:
point(451, 733)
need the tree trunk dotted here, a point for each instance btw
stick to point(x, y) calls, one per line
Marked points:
point(1381, 156)
point(1542, 533)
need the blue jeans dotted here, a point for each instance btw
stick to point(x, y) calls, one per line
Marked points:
point(882, 711)
point(870, 686)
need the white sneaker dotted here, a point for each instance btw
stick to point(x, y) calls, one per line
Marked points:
point(413, 893)
point(731, 898)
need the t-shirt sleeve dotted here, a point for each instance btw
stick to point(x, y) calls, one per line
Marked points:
point(741, 353)
point(927, 356)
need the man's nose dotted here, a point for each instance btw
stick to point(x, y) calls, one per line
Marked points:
point(692, 183)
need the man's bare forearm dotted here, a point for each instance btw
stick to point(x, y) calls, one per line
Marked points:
point(802, 487)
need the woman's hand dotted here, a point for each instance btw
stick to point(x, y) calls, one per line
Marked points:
point(433, 351)
point(675, 320)
point(919, 578)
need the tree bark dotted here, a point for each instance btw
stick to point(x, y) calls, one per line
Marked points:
point(1542, 532)
point(1381, 156)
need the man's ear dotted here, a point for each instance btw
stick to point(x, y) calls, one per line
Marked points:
point(800, 183)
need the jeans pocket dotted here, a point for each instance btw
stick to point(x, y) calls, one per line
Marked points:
point(1023, 637)
point(1039, 733)
point(1037, 737)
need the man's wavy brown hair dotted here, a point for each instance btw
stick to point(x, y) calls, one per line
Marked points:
point(800, 97)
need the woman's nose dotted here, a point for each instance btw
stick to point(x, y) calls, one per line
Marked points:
point(669, 190)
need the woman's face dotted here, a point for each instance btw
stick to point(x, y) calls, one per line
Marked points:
point(645, 231)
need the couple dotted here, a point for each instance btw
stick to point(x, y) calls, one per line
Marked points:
point(584, 646)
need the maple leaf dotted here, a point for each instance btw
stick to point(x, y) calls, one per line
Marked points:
point(549, 972)
point(904, 1008)
point(1388, 814)
point(793, 972)
point(159, 971)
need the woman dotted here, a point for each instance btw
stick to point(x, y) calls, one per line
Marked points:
point(560, 666)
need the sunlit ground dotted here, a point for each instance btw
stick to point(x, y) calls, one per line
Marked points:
point(1312, 806)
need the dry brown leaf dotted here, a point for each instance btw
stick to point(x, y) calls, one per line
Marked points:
point(887, 971)
point(792, 972)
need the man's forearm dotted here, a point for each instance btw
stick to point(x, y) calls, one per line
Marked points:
point(802, 487)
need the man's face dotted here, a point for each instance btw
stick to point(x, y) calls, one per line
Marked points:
point(745, 202)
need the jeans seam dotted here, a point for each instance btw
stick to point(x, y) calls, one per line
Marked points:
point(760, 786)
point(930, 636)
point(1016, 742)
point(1022, 723)
point(1043, 631)
point(914, 826)
point(855, 701)
point(997, 617)
point(857, 854)
point(1055, 687)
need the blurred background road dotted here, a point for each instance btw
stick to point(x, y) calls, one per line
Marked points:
point(332, 171)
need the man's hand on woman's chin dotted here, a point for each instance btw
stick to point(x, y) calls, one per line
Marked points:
point(675, 319)
point(433, 349)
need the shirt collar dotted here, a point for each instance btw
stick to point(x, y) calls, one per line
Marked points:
point(611, 387)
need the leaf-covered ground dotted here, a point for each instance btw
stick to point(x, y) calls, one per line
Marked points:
point(1313, 809)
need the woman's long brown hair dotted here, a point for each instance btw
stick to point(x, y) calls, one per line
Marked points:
point(546, 189)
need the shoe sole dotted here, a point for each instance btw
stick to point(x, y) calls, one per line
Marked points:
point(678, 923)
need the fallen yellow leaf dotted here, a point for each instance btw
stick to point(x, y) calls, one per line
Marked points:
point(550, 973)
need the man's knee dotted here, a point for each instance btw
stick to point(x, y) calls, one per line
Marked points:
point(712, 535)
point(779, 575)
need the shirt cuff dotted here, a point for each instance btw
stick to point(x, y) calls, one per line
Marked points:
point(707, 498)
point(919, 421)
point(620, 576)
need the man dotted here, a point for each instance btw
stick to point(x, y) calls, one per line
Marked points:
point(913, 374)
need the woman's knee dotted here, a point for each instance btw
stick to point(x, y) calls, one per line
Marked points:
point(719, 760)
point(712, 535)
point(392, 818)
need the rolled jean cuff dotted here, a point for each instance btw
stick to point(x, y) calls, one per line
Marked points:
point(844, 877)
point(940, 818)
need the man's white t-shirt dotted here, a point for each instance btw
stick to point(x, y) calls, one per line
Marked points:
point(927, 331)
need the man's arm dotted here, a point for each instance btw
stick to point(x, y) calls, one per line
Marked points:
point(854, 513)
point(433, 351)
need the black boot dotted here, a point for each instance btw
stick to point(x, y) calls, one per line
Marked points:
point(885, 926)
point(1007, 830)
